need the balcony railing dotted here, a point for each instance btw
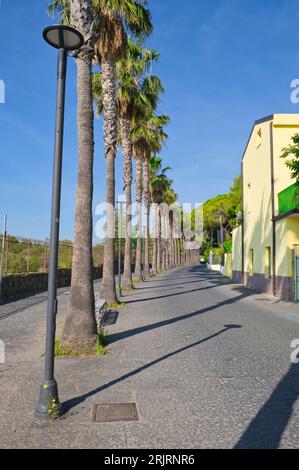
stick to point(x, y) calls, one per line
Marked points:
point(288, 199)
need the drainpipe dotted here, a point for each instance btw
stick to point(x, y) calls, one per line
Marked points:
point(243, 229)
point(273, 209)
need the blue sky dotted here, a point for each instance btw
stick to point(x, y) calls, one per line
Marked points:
point(224, 64)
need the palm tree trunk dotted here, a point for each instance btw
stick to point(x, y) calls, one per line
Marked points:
point(155, 241)
point(167, 257)
point(178, 248)
point(138, 260)
point(171, 246)
point(80, 328)
point(147, 203)
point(147, 247)
point(163, 243)
point(125, 128)
point(108, 291)
point(163, 256)
point(155, 254)
point(173, 253)
point(159, 242)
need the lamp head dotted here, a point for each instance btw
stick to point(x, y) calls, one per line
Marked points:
point(63, 37)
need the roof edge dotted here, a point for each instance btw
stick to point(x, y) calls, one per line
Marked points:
point(264, 119)
point(257, 122)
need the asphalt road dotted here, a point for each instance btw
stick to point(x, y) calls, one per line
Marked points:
point(206, 362)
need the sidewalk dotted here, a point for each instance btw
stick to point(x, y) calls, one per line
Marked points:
point(207, 364)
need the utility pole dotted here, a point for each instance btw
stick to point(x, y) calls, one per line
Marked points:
point(2, 255)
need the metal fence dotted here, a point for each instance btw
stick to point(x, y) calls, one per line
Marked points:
point(25, 255)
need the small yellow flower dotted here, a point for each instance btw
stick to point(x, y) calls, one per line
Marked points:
point(50, 411)
point(45, 386)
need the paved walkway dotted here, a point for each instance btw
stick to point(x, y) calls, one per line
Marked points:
point(206, 362)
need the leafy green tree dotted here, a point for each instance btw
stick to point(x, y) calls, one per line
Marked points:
point(34, 264)
point(205, 250)
point(291, 155)
point(227, 246)
point(17, 264)
point(235, 201)
point(220, 213)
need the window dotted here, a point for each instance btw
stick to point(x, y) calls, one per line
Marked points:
point(259, 138)
point(251, 262)
point(268, 262)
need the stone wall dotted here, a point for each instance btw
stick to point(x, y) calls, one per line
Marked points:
point(21, 284)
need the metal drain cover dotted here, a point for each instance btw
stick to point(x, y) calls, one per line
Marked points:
point(115, 412)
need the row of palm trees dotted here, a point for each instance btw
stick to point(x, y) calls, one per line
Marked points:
point(127, 94)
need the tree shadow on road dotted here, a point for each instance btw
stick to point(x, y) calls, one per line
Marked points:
point(266, 429)
point(69, 404)
point(166, 296)
point(174, 278)
point(142, 329)
point(170, 285)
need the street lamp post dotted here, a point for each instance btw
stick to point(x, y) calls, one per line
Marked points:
point(63, 38)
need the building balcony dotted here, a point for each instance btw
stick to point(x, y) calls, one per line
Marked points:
point(288, 202)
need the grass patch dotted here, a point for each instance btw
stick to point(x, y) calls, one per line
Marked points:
point(119, 304)
point(102, 343)
point(100, 348)
point(103, 339)
point(59, 352)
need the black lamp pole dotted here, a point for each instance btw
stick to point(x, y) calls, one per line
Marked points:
point(64, 39)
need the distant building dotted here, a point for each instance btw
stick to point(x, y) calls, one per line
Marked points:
point(266, 243)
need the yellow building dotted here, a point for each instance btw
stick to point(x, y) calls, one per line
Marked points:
point(266, 243)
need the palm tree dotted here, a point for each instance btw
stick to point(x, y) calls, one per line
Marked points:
point(80, 326)
point(154, 168)
point(116, 17)
point(135, 93)
point(170, 197)
point(159, 185)
point(132, 100)
point(148, 136)
point(139, 192)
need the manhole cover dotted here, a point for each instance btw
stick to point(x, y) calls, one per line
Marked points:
point(116, 412)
